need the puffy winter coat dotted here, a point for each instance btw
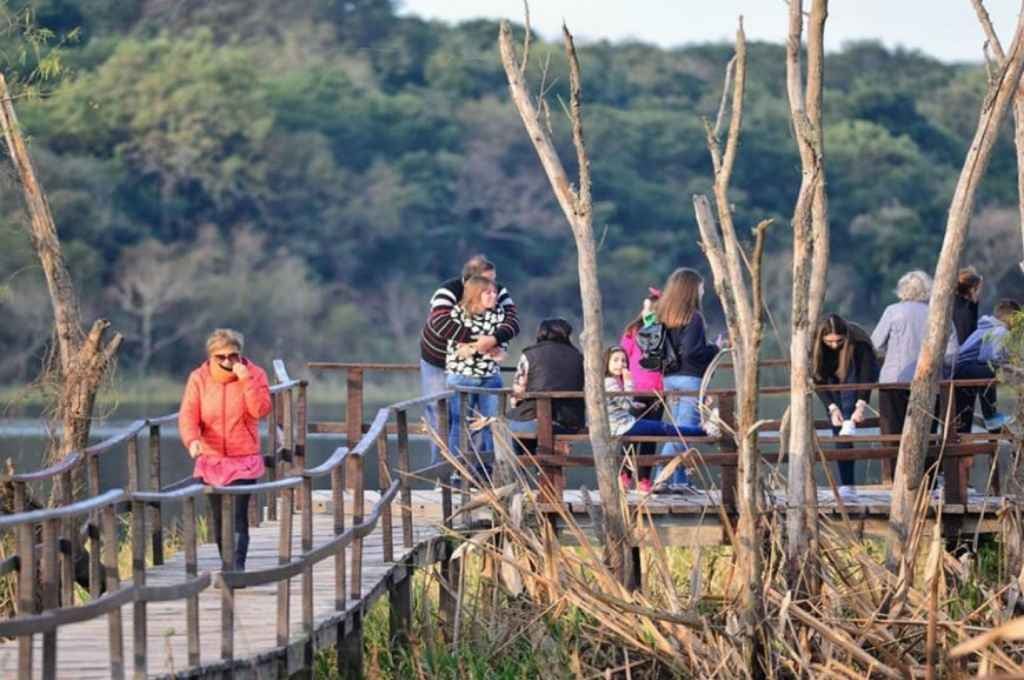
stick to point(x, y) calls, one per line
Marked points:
point(225, 417)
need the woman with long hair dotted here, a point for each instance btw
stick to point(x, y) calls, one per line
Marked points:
point(843, 355)
point(679, 311)
point(644, 380)
point(465, 366)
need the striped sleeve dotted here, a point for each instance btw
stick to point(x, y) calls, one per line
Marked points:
point(509, 327)
point(441, 322)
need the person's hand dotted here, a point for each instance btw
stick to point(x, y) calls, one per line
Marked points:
point(835, 415)
point(485, 343)
point(859, 412)
point(240, 370)
point(722, 341)
point(195, 449)
point(465, 350)
point(626, 376)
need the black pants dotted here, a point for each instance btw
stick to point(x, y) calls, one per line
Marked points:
point(241, 515)
point(965, 396)
point(845, 466)
point(892, 410)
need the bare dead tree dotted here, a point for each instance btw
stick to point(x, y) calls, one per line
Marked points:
point(810, 267)
point(82, 359)
point(992, 42)
point(907, 482)
point(151, 279)
point(745, 319)
point(577, 206)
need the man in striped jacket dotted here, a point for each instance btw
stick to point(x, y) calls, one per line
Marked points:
point(441, 327)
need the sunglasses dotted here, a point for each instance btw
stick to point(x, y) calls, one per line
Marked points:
point(234, 356)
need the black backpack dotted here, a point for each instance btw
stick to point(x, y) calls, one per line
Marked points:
point(659, 354)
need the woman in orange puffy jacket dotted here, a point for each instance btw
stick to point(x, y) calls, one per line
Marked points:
point(219, 425)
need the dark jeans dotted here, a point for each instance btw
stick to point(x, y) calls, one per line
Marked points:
point(241, 522)
point(965, 396)
point(845, 466)
point(654, 409)
point(892, 410)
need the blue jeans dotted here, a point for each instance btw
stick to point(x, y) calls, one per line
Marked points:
point(645, 427)
point(479, 404)
point(684, 414)
point(432, 381)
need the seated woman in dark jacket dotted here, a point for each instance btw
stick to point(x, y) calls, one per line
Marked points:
point(844, 355)
point(553, 364)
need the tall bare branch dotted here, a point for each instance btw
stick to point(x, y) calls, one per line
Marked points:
point(578, 211)
point(745, 320)
point(992, 41)
point(810, 267)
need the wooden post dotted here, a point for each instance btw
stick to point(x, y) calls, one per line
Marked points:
point(155, 484)
point(350, 660)
point(272, 461)
point(115, 634)
point(300, 429)
point(26, 581)
point(139, 581)
point(307, 571)
point(288, 424)
point(552, 477)
point(133, 464)
point(284, 556)
point(338, 503)
point(354, 407)
point(227, 559)
point(446, 487)
point(188, 520)
point(68, 533)
point(356, 471)
point(49, 593)
point(401, 420)
point(93, 528)
point(400, 608)
point(727, 444)
point(384, 481)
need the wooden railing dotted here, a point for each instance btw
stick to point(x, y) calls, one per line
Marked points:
point(289, 484)
point(952, 445)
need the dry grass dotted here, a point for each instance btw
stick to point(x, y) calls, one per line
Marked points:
point(528, 585)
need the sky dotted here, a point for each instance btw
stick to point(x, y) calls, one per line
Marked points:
point(946, 29)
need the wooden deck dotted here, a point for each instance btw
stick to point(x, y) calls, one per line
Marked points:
point(680, 519)
point(82, 648)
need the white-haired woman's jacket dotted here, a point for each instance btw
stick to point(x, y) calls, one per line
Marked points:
point(900, 334)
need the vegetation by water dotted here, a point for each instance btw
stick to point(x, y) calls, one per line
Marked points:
point(308, 172)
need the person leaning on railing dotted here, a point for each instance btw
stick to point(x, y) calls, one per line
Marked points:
point(843, 355)
point(224, 399)
point(980, 353)
point(442, 327)
point(899, 336)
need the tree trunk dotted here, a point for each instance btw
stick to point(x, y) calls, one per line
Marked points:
point(576, 205)
point(82, 360)
point(745, 319)
point(992, 41)
point(810, 267)
point(913, 444)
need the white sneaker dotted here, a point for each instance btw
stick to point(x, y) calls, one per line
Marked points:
point(849, 494)
point(997, 422)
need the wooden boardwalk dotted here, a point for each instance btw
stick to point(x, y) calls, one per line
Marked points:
point(82, 648)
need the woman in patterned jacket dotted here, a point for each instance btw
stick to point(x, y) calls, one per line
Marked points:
point(465, 367)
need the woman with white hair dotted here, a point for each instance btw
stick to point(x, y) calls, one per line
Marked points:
point(899, 335)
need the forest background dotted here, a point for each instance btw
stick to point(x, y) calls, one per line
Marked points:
point(309, 171)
